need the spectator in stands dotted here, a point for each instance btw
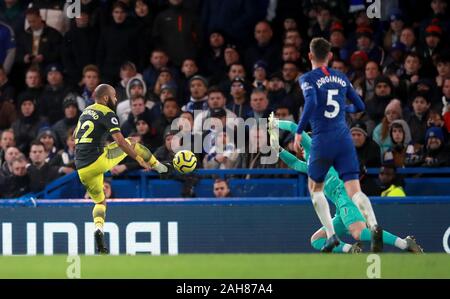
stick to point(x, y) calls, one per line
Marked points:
point(433, 46)
point(166, 152)
point(391, 184)
point(294, 97)
point(137, 108)
point(259, 104)
point(165, 77)
point(212, 60)
point(443, 69)
point(148, 133)
point(394, 62)
point(223, 154)
point(65, 158)
point(7, 47)
point(368, 150)
point(158, 60)
point(33, 82)
point(61, 127)
point(51, 100)
point(177, 31)
point(418, 119)
point(10, 154)
point(368, 184)
point(78, 49)
point(231, 55)
point(7, 91)
point(276, 90)
point(293, 37)
point(198, 88)
point(170, 112)
point(47, 137)
point(52, 12)
point(167, 91)
point(323, 22)
point(401, 144)
point(396, 26)
point(338, 41)
point(365, 42)
point(366, 86)
point(7, 110)
point(411, 70)
point(136, 87)
point(408, 38)
point(91, 79)
point(445, 99)
point(265, 48)
point(235, 70)
point(39, 171)
point(27, 125)
point(260, 75)
point(6, 140)
point(144, 14)
point(12, 13)
point(358, 60)
point(117, 44)
point(376, 106)
point(381, 132)
point(436, 152)
point(189, 69)
point(239, 104)
point(436, 119)
point(221, 188)
point(128, 71)
point(216, 100)
point(40, 44)
point(17, 183)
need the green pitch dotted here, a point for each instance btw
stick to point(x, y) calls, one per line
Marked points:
point(256, 266)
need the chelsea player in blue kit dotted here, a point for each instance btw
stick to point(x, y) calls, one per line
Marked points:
point(325, 91)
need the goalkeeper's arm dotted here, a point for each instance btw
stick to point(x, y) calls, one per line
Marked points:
point(292, 127)
point(292, 161)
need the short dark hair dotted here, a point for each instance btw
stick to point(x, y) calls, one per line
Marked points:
point(33, 11)
point(36, 142)
point(214, 89)
point(320, 48)
point(171, 99)
point(138, 98)
point(220, 180)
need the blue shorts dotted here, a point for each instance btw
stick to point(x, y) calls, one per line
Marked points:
point(327, 151)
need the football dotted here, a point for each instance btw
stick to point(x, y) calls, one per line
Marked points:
point(184, 161)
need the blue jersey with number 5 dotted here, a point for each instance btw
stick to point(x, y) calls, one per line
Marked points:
point(326, 91)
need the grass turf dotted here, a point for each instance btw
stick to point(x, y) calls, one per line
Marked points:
point(248, 266)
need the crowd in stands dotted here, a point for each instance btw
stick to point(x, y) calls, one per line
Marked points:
point(228, 59)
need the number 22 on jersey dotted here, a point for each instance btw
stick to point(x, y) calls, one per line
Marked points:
point(88, 126)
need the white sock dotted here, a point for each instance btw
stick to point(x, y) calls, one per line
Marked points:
point(346, 248)
point(322, 208)
point(160, 168)
point(363, 203)
point(400, 244)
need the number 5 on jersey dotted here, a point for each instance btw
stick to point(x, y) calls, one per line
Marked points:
point(331, 102)
point(84, 138)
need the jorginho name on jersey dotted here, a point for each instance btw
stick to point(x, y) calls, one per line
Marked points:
point(325, 92)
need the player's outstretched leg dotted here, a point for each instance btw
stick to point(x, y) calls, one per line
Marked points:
point(99, 214)
point(319, 238)
point(147, 155)
point(407, 244)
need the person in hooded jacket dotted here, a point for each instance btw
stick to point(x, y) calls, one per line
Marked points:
point(401, 144)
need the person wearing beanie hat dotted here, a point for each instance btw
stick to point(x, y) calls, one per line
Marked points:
point(358, 60)
point(396, 26)
point(260, 74)
point(383, 94)
point(198, 88)
point(27, 125)
point(436, 151)
point(367, 150)
point(392, 112)
point(48, 138)
point(364, 42)
point(62, 126)
point(433, 46)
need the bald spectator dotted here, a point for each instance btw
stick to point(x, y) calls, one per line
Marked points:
point(7, 140)
point(259, 104)
point(10, 154)
point(18, 182)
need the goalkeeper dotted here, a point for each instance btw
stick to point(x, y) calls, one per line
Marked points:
point(348, 219)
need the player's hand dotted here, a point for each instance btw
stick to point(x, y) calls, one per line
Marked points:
point(273, 122)
point(297, 143)
point(142, 163)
